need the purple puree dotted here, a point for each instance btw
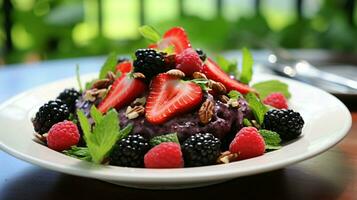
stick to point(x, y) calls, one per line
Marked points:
point(224, 121)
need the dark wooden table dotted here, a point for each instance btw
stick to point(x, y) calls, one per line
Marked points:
point(331, 175)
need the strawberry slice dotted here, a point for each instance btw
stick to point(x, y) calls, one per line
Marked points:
point(123, 91)
point(170, 96)
point(124, 67)
point(177, 37)
point(214, 72)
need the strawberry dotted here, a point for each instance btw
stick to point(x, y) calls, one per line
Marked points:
point(170, 96)
point(189, 61)
point(175, 36)
point(124, 67)
point(214, 72)
point(123, 91)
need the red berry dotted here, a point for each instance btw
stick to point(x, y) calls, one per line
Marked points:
point(124, 67)
point(170, 96)
point(175, 37)
point(214, 72)
point(63, 135)
point(123, 91)
point(164, 155)
point(248, 143)
point(189, 61)
point(277, 100)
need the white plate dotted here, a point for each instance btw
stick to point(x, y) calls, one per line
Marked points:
point(327, 121)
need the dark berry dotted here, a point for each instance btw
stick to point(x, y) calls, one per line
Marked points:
point(130, 151)
point(69, 97)
point(287, 123)
point(50, 114)
point(202, 54)
point(149, 62)
point(122, 59)
point(201, 149)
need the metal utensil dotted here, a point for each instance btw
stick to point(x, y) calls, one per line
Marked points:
point(281, 62)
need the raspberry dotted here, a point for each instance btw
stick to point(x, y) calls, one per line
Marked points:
point(201, 149)
point(130, 151)
point(248, 143)
point(49, 114)
point(277, 100)
point(63, 135)
point(164, 155)
point(149, 62)
point(189, 61)
point(69, 97)
point(287, 123)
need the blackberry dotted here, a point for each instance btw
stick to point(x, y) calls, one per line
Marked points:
point(287, 123)
point(201, 149)
point(69, 97)
point(202, 54)
point(149, 62)
point(130, 151)
point(50, 114)
point(122, 59)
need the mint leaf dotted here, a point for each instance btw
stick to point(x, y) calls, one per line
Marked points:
point(78, 77)
point(267, 87)
point(96, 114)
point(123, 133)
point(78, 152)
point(234, 94)
point(169, 50)
point(149, 33)
point(247, 66)
point(257, 107)
point(104, 135)
point(246, 122)
point(108, 66)
point(171, 137)
point(229, 66)
point(86, 127)
point(202, 83)
point(272, 139)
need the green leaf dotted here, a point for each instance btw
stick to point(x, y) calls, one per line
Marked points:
point(86, 127)
point(247, 66)
point(78, 77)
point(246, 122)
point(234, 94)
point(96, 114)
point(257, 107)
point(202, 83)
point(78, 152)
point(108, 66)
point(88, 85)
point(149, 33)
point(123, 133)
point(229, 66)
point(169, 50)
point(170, 137)
point(104, 136)
point(270, 137)
point(267, 87)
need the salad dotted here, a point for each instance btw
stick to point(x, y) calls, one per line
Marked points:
point(169, 106)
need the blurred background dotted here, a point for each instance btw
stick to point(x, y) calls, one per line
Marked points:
point(35, 30)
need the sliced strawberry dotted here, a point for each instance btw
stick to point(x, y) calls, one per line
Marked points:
point(123, 91)
point(177, 37)
point(170, 96)
point(214, 72)
point(124, 67)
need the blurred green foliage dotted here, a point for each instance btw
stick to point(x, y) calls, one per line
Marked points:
point(50, 29)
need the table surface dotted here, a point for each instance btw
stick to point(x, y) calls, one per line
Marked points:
point(331, 175)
